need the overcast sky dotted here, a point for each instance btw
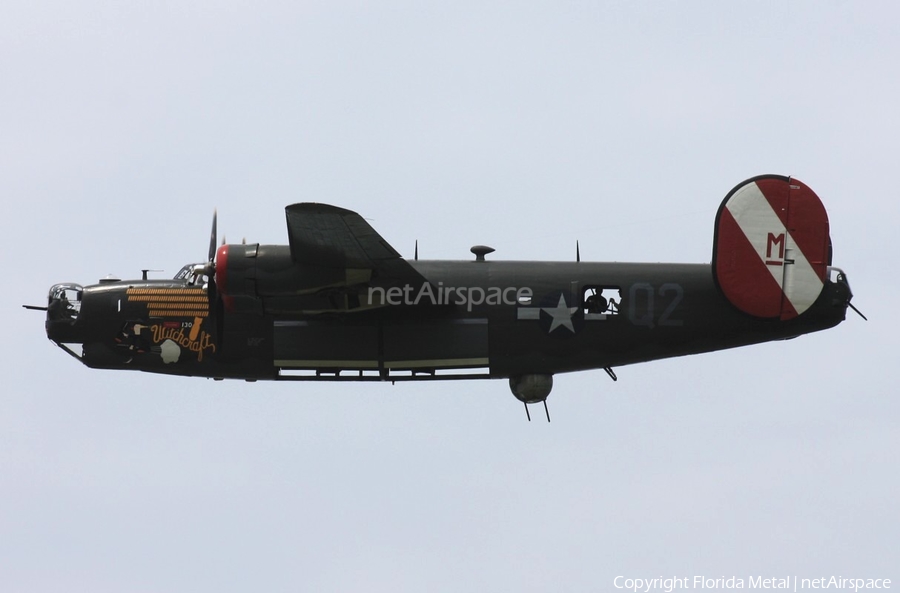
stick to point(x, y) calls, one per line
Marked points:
point(524, 126)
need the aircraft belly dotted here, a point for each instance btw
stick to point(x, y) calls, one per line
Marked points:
point(437, 344)
point(317, 344)
point(383, 345)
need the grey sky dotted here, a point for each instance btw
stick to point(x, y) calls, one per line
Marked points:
point(524, 126)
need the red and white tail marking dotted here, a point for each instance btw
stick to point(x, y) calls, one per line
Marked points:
point(771, 249)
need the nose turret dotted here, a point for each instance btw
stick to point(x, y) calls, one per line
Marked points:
point(63, 309)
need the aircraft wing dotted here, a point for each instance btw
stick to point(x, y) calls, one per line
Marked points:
point(332, 237)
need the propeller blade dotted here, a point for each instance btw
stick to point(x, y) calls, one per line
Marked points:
point(212, 239)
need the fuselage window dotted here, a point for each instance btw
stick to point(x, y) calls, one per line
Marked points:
point(601, 300)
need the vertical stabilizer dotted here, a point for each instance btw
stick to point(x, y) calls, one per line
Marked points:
point(771, 248)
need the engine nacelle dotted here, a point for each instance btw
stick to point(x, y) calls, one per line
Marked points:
point(531, 389)
point(257, 278)
point(269, 270)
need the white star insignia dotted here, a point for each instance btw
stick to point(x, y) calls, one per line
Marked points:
point(561, 314)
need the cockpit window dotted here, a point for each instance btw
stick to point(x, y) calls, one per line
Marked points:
point(64, 301)
point(185, 272)
point(193, 274)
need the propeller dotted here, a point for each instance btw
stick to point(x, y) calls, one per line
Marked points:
point(210, 268)
point(212, 242)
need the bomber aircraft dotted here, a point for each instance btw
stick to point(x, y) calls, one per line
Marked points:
point(338, 303)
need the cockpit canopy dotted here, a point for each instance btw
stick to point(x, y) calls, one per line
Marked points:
point(194, 274)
